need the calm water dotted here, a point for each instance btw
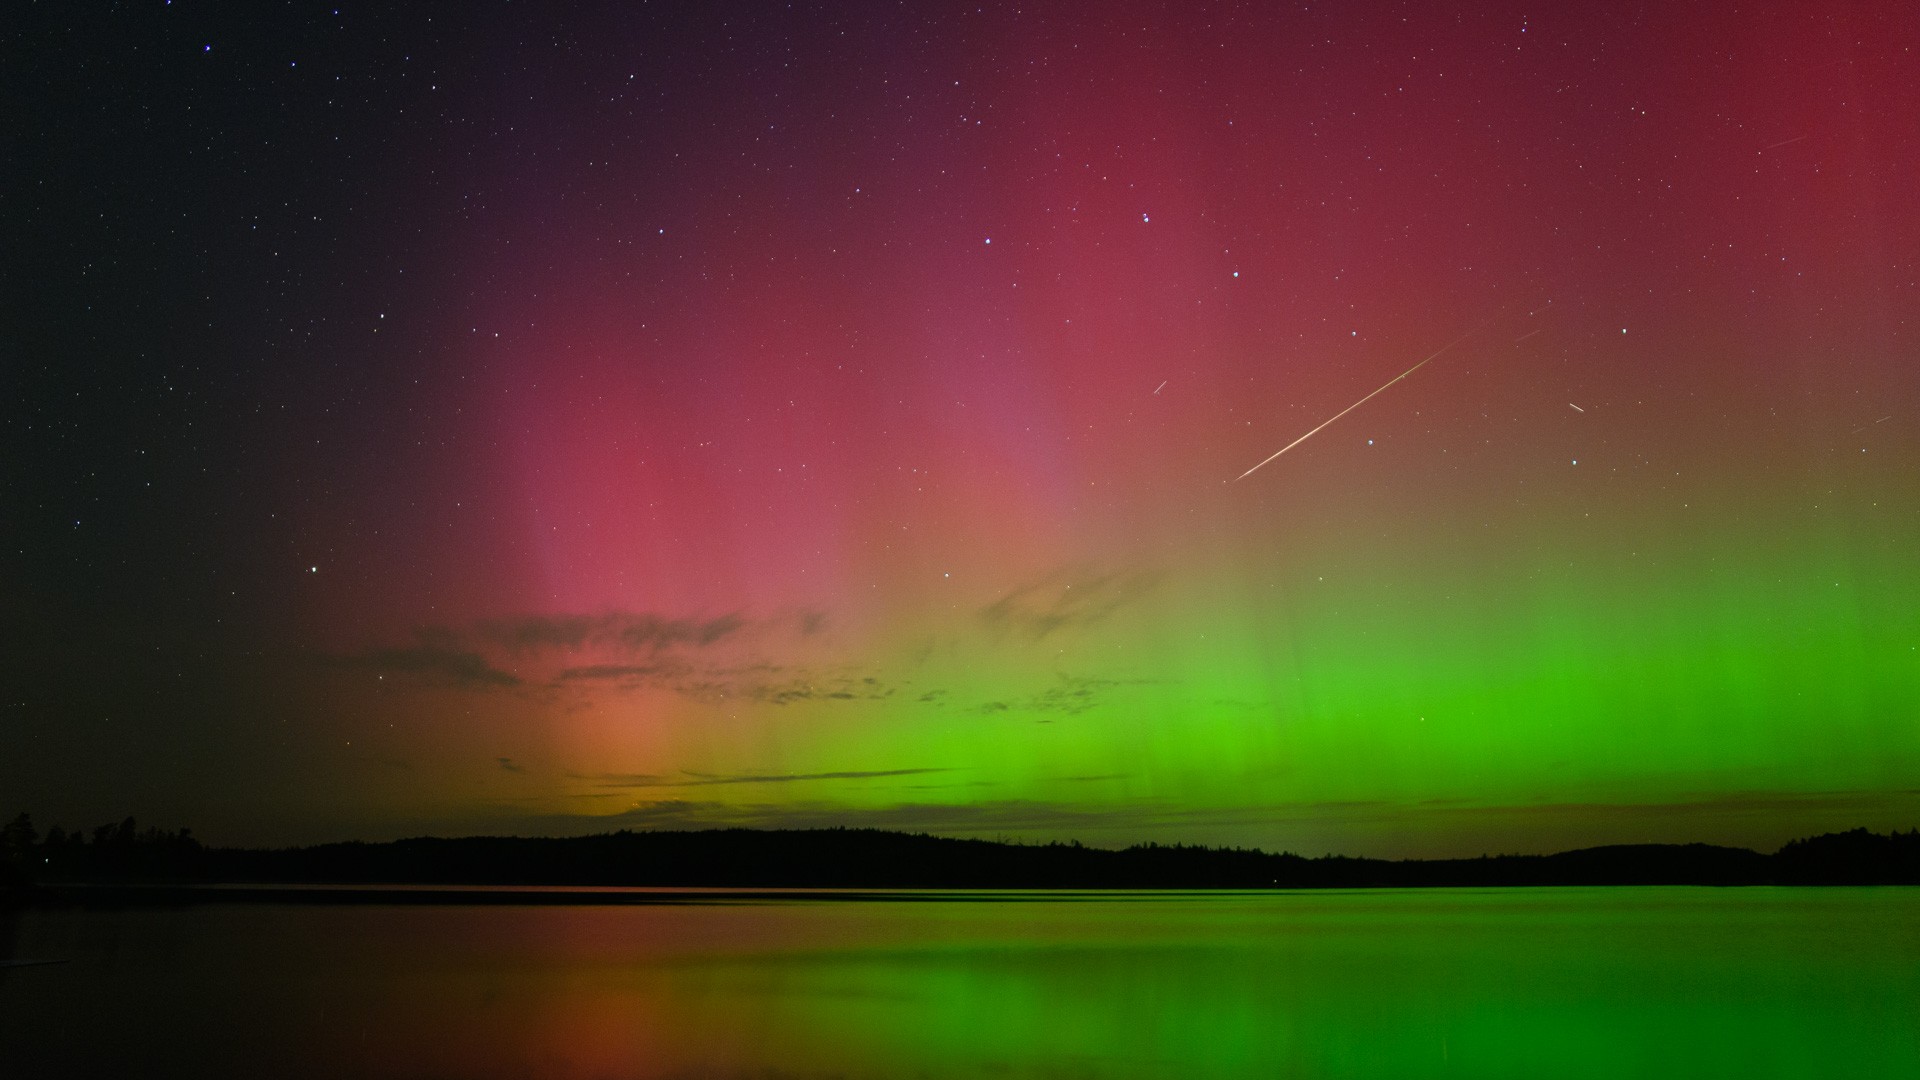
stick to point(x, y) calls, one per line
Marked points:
point(1511, 983)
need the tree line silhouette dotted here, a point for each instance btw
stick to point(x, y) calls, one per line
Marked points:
point(115, 851)
point(869, 858)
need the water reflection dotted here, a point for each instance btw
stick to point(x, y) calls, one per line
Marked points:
point(1642, 982)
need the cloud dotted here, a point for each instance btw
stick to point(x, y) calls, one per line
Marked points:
point(507, 764)
point(635, 632)
point(712, 660)
point(458, 667)
point(1069, 597)
point(694, 779)
point(1134, 820)
point(818, 687)
point(621, 672)
point(646, 631)
point(629, 648)
point(985, 818)
point(622, 779)
point(542, 631)
point(1070, 695)
point(767, 683)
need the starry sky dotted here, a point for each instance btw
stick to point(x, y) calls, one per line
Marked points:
point(499, 418)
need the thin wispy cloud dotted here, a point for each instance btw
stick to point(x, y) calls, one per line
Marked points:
point(763, 683)
point(451, 666)
point(630, 631)
point(621, 672)
point(694, 779)
point(1069, 695)
point(623, 650)
point(1069, 597)
point(973, 818)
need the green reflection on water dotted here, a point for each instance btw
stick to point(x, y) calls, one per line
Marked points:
point(1572, 983)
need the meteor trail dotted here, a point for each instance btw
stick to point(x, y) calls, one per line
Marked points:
point(1355, 405)
point(1574, 407)
point(1162, 386)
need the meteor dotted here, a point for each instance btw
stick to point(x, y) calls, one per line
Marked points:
point(1355, 405)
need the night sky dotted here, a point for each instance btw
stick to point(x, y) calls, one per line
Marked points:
point(493, 418)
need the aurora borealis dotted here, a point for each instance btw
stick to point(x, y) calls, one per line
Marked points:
point(494, 419)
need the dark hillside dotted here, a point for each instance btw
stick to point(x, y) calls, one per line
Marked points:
point(867, 859)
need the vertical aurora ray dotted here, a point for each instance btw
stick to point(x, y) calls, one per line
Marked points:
point(792, 420)
point(944, 433)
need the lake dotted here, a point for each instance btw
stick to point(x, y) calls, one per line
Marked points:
point(1639, 982)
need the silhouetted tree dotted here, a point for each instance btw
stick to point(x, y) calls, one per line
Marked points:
point(17, 837)
point(16, 850)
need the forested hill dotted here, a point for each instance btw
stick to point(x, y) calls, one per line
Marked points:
point(862, 858)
